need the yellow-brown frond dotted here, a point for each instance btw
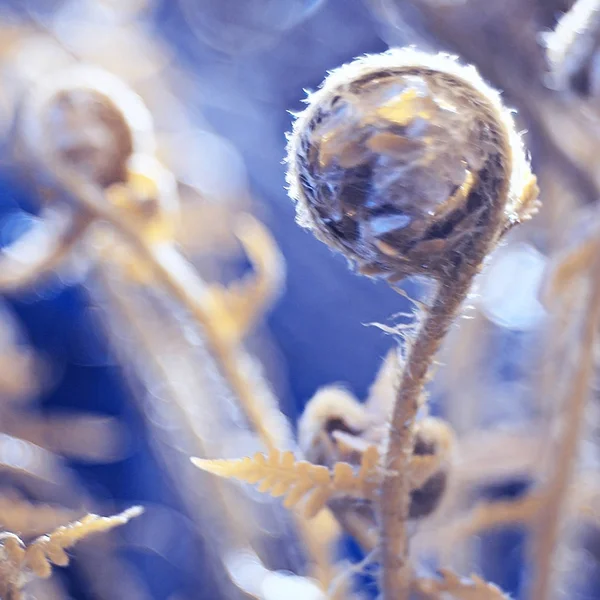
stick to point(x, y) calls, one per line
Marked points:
point(280, 474)
point(31, 519)
point(19, 562)
point(50, 549)
point(450, 585)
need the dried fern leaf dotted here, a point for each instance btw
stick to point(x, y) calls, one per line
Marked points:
point(18, 514)
point(280, 474)
point(422, 467)
point(449, 586)
point(50, 549)
point(18, 562)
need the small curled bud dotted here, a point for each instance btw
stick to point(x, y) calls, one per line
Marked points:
point(433, 437)
point(335, 427)
point(90, 121)
point(400, 157)
point(330, 410)
point(572, 50)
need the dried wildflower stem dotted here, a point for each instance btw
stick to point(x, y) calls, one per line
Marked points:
point(395, 490)
point(180, 279)
point(217, 507)
point(549, 517)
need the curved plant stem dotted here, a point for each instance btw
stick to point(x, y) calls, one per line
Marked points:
point(395, 493)
point(216, 508)
point(181, 281)
point(573, 410)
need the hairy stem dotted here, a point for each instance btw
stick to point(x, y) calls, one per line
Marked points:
point(342, 200)
point(549, 517)
point(490, 193)
point(395, 491)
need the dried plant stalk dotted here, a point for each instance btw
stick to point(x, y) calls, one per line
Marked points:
point(94, 177)
point(550, 516)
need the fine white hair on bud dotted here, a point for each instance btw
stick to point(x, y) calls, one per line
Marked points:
point(400, 157)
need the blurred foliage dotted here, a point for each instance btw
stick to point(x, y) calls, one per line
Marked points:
point(108, 385)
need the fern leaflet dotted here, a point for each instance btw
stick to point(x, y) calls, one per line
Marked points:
point(280, 474)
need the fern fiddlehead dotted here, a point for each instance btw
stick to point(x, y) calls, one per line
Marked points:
point(409, 164)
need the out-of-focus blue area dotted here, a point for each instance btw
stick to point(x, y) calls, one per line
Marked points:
point(247, 73)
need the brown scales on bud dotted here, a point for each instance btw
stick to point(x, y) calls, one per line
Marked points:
point(396, 162)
